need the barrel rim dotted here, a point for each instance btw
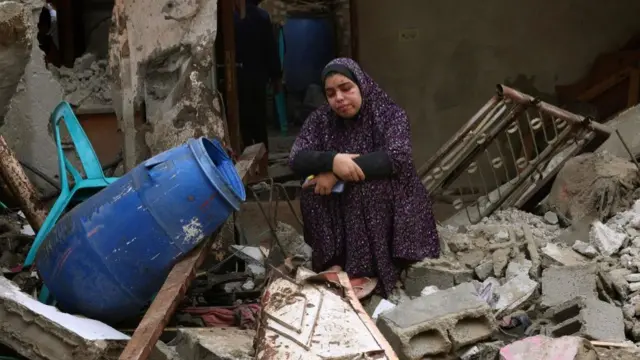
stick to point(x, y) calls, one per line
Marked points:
point(228, 183)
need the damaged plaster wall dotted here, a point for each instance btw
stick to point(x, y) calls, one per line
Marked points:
point(453, 53)
point(160, 60)
point(26, 123)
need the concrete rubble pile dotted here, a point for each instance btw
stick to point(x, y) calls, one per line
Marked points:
point(87, 83)
point(517, 275)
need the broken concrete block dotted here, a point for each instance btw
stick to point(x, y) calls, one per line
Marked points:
point(483, 351)
point(514, 293)
point(214, 344)
point(40, 332)
point(516, 268)
point(589, 318)
point(484, 270)
point(436, 324)
point(500, 260)
point(607, 240)
point(633, 287)
point(585, 249)
point(435, 272)
point(554, 254)
point(544, 348)
point(562, 283)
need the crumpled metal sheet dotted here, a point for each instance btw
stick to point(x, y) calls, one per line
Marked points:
point(304, 321)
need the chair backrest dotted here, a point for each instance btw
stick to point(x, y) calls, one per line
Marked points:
point(90, 163)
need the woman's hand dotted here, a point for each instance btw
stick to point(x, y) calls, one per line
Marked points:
point(323, 183)
point(346, 168)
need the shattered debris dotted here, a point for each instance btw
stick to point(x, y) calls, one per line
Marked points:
point(607, 191)
point(87, 83)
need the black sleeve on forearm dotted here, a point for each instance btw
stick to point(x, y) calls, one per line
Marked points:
point(376, 165)
point(309, 162)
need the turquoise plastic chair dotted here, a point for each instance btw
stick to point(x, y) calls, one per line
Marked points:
point(83, 188)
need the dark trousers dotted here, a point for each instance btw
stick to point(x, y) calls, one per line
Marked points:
point(252, 99)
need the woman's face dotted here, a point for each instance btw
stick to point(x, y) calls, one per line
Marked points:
point(343, 95)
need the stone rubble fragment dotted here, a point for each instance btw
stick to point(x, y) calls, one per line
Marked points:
point(514, 293)
point(551, 218)
point(606, 240)
point(545, 348)
point(562, 283)
point(585, 249)
point(554, 254)
point(441, 273)
point(214, 344)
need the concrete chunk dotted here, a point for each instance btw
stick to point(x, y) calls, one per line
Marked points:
point(40, 332)
point(554, 254)
point(435, 272)
point(590, 318)
point(435, 324)
point(607, 240)
point(214, 344)
point(545, 348)
point(514, 293)
point(562, 283)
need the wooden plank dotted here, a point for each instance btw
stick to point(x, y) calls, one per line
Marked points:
point(610, 344)
point(18, 184)
point(366, 319)
point(175, 286)
point(230, 80)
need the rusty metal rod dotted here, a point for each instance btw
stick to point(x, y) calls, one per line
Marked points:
point(552, 110)
point(544, 155)
point(470, 155)
point(457, 138)
point(626, 147)
point(21, 188)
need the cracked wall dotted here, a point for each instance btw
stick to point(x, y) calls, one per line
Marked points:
point(160, 60)
point(460, 50)
point(26, 123)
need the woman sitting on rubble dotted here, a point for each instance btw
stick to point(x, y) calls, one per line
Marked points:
point(382, 221)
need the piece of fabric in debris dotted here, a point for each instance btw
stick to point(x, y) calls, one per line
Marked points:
point(243, 316)
point(373, 228)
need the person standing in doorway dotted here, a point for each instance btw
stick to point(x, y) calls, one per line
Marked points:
point(258, 65)
point(48, 39)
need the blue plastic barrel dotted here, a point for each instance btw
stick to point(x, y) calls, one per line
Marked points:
point(110, 255)
point(310, 45)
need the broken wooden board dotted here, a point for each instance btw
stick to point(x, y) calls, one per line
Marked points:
point(175, 286)
point(304, 320)
point(23, 191)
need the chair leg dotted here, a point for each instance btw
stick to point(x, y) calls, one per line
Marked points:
point(44, 296)
point(55, 213)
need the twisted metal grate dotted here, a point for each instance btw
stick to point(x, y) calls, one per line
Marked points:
point(507, 153)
